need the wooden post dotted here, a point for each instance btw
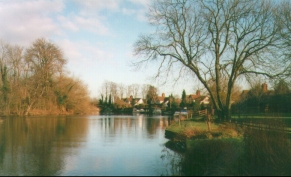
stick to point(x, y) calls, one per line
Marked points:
point(208, 122)
point(179, 119)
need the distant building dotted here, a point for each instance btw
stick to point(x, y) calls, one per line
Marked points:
point(264, 88)
point(191, 98)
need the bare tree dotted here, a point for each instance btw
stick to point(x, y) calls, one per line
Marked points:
point(105, 89)
point(129, 91)
point(113, 90)
point(215, 41)
point(72, 95)
point(45, 61)
point(121, 90)
point(4, 76)
point(144, 90)
point(36, 81)
point(16, 67)
point(135, 90)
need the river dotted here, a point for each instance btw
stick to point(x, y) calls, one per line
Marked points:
point(84, 145)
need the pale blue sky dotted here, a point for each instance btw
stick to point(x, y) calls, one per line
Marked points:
point(96, 37)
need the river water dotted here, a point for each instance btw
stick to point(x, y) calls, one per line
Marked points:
point(84, 145)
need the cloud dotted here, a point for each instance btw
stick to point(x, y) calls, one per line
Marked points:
point(76, 23)
point(139, 11)
point(127, 11)
point(24, 21)
point(86, 53)
point(97, 5)
point(68, 23)
point(144, 3)
point(92, 24)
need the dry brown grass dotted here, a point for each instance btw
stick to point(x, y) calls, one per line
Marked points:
point(267, 152)
point(191, 132)
point(226, 130)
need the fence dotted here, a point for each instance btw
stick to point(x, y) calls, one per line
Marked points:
point(266, 124)
point(199, 113)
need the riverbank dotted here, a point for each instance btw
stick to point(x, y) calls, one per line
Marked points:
point(89, 110)
point(228, 149)
point(192, 129)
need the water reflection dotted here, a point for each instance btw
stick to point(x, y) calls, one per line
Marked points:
point(130, 124)
point(33, 146)
point(92, 145)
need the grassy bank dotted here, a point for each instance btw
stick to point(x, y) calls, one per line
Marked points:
point(197, 129)
point(230, 150)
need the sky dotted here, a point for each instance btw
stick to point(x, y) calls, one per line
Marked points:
point(96, 37)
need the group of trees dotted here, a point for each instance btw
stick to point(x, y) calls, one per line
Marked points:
point(220, 43)
point(120, 90)
point(113, 97)
point(112, 94)
point(34, 81)
point(258, 100)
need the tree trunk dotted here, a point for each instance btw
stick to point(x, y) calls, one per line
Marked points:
point(220, 114)
point(224, 114)
point(228, 114)
point(27, 110)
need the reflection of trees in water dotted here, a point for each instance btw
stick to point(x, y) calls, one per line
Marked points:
point(152, 124)
point(13, 135)
point(113, 125)
point(35, 146)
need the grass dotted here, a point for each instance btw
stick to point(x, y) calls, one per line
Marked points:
point(197, 129)
point(263, 115)
point(178, 128)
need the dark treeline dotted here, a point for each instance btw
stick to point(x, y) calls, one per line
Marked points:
point(261, 100)
point(35, 82)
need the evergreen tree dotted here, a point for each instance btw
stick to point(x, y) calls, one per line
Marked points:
point(183, 101)
point(101, 101)
point(109, 100)
point(106, 101)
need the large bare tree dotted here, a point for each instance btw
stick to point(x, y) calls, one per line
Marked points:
point(45, 61)
point(216, 41)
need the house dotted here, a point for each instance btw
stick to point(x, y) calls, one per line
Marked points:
point(264, 88)
point(128, 100)
point(197, 98)
point(166, 101)
point(161, 98)
point(191, 98)
point(158, 99)
point(138, 101)
point(202, 99)
point(134, 101)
